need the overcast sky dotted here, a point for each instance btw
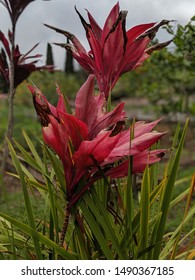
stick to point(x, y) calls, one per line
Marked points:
point(61, 13)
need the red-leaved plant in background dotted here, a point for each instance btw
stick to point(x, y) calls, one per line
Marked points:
point(113, 50)
point(22, 68)
point(93, 143)
point(14, 68)
point(15, 8)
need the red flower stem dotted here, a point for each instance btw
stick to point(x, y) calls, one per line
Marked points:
point(65, 225)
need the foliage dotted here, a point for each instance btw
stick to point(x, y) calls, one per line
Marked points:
point(107, 224)
point(47, 81)
point(168, 76)
point(85, 171)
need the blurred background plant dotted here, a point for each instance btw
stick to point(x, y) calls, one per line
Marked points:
point(167, 78)
point(14, 68)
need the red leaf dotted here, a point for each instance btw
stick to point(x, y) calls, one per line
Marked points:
point(110, 21)
point(95, 150)
point(140, 161)
point(137, 30)
point(95, 27)
point(5, 43)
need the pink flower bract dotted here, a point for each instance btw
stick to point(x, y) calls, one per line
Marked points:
point(113, 50)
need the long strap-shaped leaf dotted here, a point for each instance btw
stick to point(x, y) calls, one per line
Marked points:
point(28, 205)
point(166, 200)
point(144, 211)
point(96, 230)
point(39, 236)
point(102, 216)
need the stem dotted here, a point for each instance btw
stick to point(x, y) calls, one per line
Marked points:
point(9, 132)
point(12, 87)
point(65, 225)
point(109, 101)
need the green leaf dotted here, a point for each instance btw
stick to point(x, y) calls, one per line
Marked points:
point(127, 239)
point(190, 194)
point(102, 216)
point(193, 18)
point(28, 205)
point(96, 230)
point(169, 245)
point(144, 210)
point(145, 251)
point(57, 166)
point(167, 194)
point(33, 150)
point(38, 236)
point(81, 245)
point(179, 198)
point(28, 158)
point(53, 207)
point(153, 196)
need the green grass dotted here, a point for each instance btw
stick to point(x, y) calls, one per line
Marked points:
point(24, 119)
point(14, 206)
point(183, 173)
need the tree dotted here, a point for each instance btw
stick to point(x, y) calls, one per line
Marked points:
point(167, 77)
point(49, 55)
point(69, 67)
point(185, 54)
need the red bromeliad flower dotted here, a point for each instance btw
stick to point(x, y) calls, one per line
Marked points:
point(22, 68)
point(91, 142)
point(113, 50)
